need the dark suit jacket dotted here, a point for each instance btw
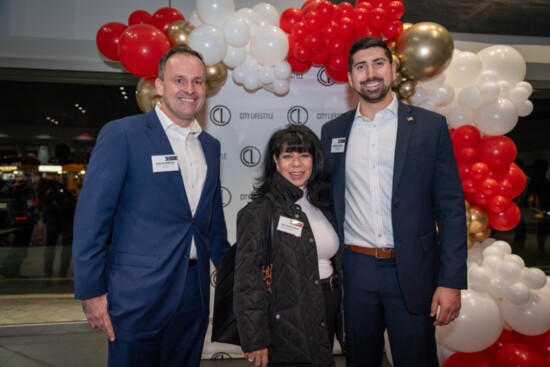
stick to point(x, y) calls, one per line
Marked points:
point(145, 269)
point(426, 192)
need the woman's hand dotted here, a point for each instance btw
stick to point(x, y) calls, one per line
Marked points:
point(257, 358)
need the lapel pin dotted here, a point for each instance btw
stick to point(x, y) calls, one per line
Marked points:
point(410, 119)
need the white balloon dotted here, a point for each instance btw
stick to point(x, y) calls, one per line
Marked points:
point(215, 12)
point(420, 95)
point(281, 87)
point(488, 242)
point(194, 19)
point(434, 82)
point(475, 255)
point(505, 88)
point(524, 109)
point(234, 57)
point(477, 327)
point(534, 278)
point(442, 96)
point(470, 97)
point(496, 118)
point(530, 318)
point(497, 288)
point(525, 85)
point(506, 61)
point(267, 14)
point(463, 70)
point(252, 82)
point(250, 17)
point(238, 74)
point(492, 262)
point(517, 292)
point(282, 70)
point(459, 116)
point(428, 105)
point(504, 247)
point(269, 45)
point(266, 74)
point(443, 353)
point(251, 64)
point(489, 91)
point(510, 271)
point(236, 32)
point(208, 40)
point(515, 258)
point(493, 250)
point(487, 76)
point(478, 278)
point(544, 292)
point(518, 95)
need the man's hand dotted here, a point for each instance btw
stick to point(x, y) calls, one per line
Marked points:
point(97, 315)
point(257, 358)
point(449, 301)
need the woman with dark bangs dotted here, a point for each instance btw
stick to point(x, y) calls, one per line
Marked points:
point(296, 323)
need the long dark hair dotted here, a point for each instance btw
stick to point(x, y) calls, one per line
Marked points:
point(290, 139)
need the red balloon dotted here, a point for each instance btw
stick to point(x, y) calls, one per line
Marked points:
point(466, 155)
point(464, 170)
point(506, 337)
point(479, 198)
point(330, 30)
point(488, 187)
point(325, 10)
point(345, 26)
point(540, 343)
point(505, 189)
point(288, 18)
point(517, 179)
point(479, 171)
point(108, 37)
point(314, 41)
point(469, 186)
point(517, 355)
point(298, 67)
point(319, 58)
point(460, 359)
point(140, 48)
point(506, 220)
point(298, 31)
point(360, 17)
point(337, 62)
point(310, 5)
point(337, 46)
point(498, 203)
point(300, 51)
point(365, 4)
point(466, 136)
point(497, 151)
point(163, 17)
point(311, 21)
point(343, 10)
point(140, 17)
point(377, 17)
point(392, 29)
point(394, 9)
point(340, 76)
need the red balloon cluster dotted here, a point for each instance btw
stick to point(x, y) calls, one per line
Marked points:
point(321, 32)
point(489, 176)
point(140, 44)
point(510, 350)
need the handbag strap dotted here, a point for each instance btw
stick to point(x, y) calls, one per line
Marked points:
point(270, 231)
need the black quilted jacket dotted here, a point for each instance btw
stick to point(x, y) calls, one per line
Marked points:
point(291, 321)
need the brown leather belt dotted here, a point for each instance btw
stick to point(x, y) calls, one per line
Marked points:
point(379, 253)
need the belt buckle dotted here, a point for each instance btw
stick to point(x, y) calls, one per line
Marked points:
point(376, 252)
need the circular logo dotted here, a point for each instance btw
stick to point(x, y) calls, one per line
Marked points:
point(323, 78)
point(220, 115)
point(221, 355)
point(226, 196)
point(251, 156)
point(213, 276)
point(297, 115)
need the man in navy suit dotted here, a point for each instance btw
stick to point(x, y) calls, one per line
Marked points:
point(401, 217)
point(153, 185)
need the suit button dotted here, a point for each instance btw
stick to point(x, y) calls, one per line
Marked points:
point(323, 324)
point(277, 317)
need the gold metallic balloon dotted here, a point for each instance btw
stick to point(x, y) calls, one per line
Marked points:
point(212, 91)
point(482, 235)
point(398, 80)
point(145, 93)
point(406, 89)
point(178, 32)
point(216, 75)
point(396, 61)
point(425, 50)
point(407, 26)
point(479, 219)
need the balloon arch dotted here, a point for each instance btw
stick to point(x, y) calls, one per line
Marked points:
point(505, 317)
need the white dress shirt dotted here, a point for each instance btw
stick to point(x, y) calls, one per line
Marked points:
point(192, 163)
point(369, 175)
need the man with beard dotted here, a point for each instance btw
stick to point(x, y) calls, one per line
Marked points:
point(400, 216)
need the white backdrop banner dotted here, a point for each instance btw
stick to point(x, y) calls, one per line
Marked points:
point(243, 122)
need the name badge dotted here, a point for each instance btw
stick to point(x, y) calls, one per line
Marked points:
point(164, 163)
point(338, 145)
point(290, 226)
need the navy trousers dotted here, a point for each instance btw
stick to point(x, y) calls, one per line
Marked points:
point(179, 344)
point(372, 304)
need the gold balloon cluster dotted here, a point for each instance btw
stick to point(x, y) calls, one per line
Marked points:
point(178, 33)
point(423, 50)
point(477, 221)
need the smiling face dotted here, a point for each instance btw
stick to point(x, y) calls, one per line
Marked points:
point(296, 167)
point(372, 75)
point(183, 88)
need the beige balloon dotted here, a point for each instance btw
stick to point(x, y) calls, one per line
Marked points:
point(178, 32)
point(425, 50)
point(406, 89)
point(216, 75)
point(146, 93)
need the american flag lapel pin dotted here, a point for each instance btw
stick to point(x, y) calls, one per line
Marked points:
point(410, 119)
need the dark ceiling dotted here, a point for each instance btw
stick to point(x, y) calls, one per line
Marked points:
point(46, 106)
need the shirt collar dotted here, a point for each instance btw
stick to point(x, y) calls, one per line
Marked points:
point(392, 107)
point(167, 123)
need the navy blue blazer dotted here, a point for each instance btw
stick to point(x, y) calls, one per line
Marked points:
point(428, 208)
point(144, 271)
